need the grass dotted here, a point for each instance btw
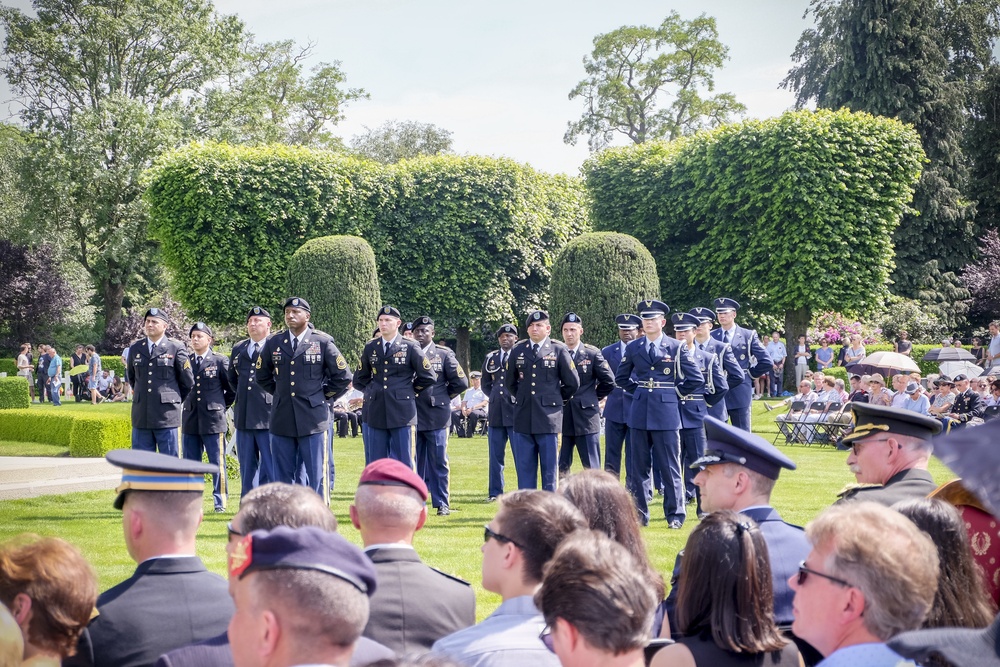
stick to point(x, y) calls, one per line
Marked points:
point(13, 448)
point(448, 543)
point(105, 408)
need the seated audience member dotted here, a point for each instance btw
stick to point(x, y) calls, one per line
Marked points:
point(608, 507)
point(805, 395)
point(172, 600)
point(951, 647)
point(725, 610)
point(890, 449)
point(50, 591)
point(347, 411)
point(859, 394)
point(942, 401)
point(596, 602)
point(961, 599)
point(899, 384)
point(11, 641)
point(839, 385)
point(103, 383)
point(981, 386)
point(116, 393)
point(415, 605)
point(871, 575)
point(265, 508)
point(301, 597)
point(914, 400)
point(878, 394)
point(994, 398)
point(527, 529)
point(472, 408)
point(968, 405)
point(817, 381)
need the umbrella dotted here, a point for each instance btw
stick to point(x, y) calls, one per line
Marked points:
point(79, 368)
point(949, 354)
point(953, 368)
point(994, 371)
point(879, 362)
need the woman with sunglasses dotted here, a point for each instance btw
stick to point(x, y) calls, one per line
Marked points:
point(725, 605)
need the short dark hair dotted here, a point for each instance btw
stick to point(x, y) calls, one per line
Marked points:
point(595, 584)
point(725, 585)
point(278, 504)
point(537, 522)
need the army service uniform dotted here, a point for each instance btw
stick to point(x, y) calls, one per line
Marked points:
point(252, 417)
point(204, 427)
point(582, 414)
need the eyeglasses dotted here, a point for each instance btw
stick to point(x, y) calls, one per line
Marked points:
point(804, 573)
point(489, 533)
point(546, 636)
point(232, 531)
point(856, 446)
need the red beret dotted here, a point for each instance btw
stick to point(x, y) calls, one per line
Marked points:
point(390, 472)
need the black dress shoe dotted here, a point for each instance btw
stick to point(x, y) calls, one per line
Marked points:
point(444, 511)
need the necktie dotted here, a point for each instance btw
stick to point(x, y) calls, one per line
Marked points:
point(385, 349)
point(652, 350)
point(197, 361)
point(701, 346)
point(295, 343)
point(728, 338)
point(534, 349)
point(152, 346)
point(253, 350)
point(503, 360)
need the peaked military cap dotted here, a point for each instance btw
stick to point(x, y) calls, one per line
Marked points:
point(727, 444)
point(202, 327)
point(684, 321)
point(535, 316)
point(149, 471)
point(872, 419)
point(724, 305)
point(572, 318)
point(257, 311)
point(390, 310)
point(158, 313)
point(507, 328)
point(628, 321)
point(703, 314)
point(297, 302)
point(651, 308)
point(423, 321)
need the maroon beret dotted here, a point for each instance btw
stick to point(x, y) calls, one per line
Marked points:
point(390, 472)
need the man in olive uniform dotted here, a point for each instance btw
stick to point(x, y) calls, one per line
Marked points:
point(750, 354)
point(501, 407)
point(654, 371)
point(252, 411)
point(434, 413)
point(204, 419)
point(582, 414)
point(302, 368)
point(159, 373)
point(617, 407)
point(541, 377)
point(392, 371)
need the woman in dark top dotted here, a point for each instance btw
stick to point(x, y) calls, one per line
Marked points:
point(903, 344)
point(725, 605)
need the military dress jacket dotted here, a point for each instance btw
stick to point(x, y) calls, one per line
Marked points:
point(904, 485)
point(205, 406)
point(390, 381)
point(302, 381)
point(500, 411)
point(252, 409)
point(617, 407)
point(968, 405)
point(752, 358)
point(582, 414)
point(160, 382)
point(654, 384)
point(540, 383)
point(434, 402)
point(694, 405)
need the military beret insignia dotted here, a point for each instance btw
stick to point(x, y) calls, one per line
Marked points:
point(386, 310)
point(537, 316)
point(256, 310)
point(154, 311)
point(295, 302)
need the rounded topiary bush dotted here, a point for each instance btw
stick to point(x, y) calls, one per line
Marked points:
point(14, 393)
point(598, 276)
point(338, 277)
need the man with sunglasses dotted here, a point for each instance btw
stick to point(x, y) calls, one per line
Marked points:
point(518, 543)
point(871, 575)
point(889, 452)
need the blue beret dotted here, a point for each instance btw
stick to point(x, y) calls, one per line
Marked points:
point(725, 304)
point(628, 321)
point(297, 302)
point(506, 328)
point(158, 313)
point(703, 314)
point(727, 444)
point(257, 311)
point(572, 318)
point(652, 308)
point(202, 327)
point(149, 471)
point(684, 321)
point(306, 548)
point(535, 316)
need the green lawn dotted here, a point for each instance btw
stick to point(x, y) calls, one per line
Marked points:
point(104, 408)
point(13, 448)
point(449, 543)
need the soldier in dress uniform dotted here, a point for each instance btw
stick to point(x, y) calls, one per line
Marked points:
point(694, 406)
point(649, 373)
point(501, 407)
point(582, 414)
point(750, 354)
point(619, 403)
point(205, 425)
point(542, 377)
point(159, 373)
point(302, 368)
point(252, 411)
point(392, 371)
point(434, 413)
point(724, 357)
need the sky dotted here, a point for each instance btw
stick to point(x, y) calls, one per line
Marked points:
point(498, 75)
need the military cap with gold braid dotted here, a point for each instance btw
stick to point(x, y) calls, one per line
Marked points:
point(873, 419)
point(149, 471)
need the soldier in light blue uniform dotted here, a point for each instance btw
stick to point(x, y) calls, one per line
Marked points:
point(648, 372)
point(619, 403)
point(750, 354)
point(724, 357)
point(694, 406)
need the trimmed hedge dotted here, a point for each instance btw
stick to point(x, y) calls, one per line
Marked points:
point(8, 366)
point(14, 393)
point(84, 435)
point(93, 436)
point(109, 362)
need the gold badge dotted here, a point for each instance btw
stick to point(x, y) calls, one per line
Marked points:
point(427, 364)
point(187, 364)
point(461, 374)
point(259, 359)
point(341, 362)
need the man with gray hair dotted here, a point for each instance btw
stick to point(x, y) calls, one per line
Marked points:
point(871, 575)
point(890, 449)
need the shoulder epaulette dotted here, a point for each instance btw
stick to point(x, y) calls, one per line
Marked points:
point(592, 348)
point(451, 576)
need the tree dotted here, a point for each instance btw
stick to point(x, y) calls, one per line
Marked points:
point(34, 297)
point(401, 140)
point(915, 60)
point(982, 278)
point(646, 83)
point(338, 277)
point(599, 276)
point(983, 149)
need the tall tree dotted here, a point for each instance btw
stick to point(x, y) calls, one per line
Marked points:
point(647, 83)
point(33, 298)
point(401, 140)
point(915, 60)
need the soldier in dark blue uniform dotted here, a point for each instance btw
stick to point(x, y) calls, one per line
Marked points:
point(434, 413)
point(619, 403)
point(302, 368)
point(204, 427)
point(159, 373)
point(393, 370)
point(694, 406)
point(649, 373)
point(541, 377)
point(750, 354)
point(501, 407)
point(724, 358)
point(252, 411)
point(582, 414)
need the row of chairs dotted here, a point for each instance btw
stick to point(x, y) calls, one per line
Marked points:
point(819, 422)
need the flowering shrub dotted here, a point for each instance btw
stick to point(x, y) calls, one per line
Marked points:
point(838, 330)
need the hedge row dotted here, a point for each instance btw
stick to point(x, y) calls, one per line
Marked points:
point(84, 435)
point(14, 393)
point(109, 362)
